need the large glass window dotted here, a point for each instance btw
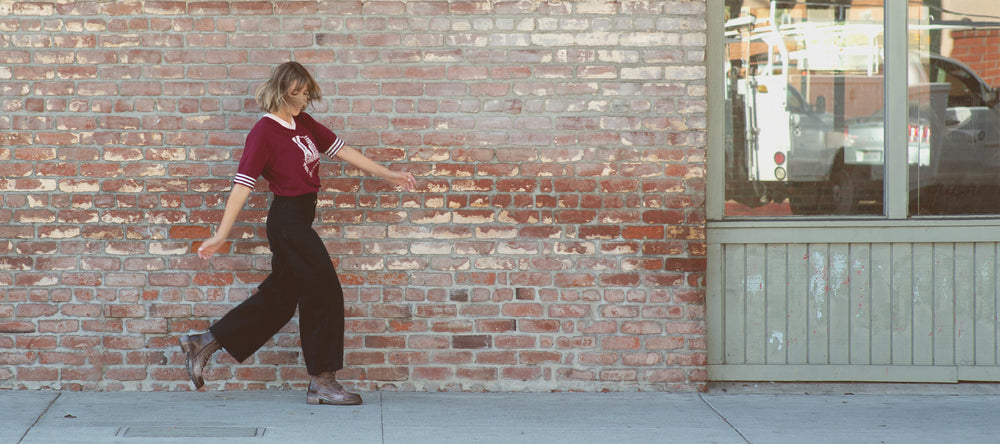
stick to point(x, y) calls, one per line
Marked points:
point(954, 55)
point(805, 108)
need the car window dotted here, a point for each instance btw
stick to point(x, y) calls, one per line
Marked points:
point(961, 85)
point(795, 102)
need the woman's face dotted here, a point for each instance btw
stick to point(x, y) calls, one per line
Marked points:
point(296, 99)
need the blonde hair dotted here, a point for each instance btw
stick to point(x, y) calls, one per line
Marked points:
point(271, 95)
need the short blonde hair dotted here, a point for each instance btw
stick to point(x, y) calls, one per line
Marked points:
point(271, 95)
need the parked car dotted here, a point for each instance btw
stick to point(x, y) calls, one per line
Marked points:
point(953, 146)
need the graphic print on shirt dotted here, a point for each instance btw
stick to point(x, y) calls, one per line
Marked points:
point(310, 154)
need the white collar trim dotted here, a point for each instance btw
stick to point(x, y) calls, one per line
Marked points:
point(283, 123)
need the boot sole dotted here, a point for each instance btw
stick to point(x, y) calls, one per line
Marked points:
point(314, 399)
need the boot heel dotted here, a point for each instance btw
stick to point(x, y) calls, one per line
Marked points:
point(313, 399)
point(186, 344)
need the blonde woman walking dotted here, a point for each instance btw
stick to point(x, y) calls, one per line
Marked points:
point(284, 147)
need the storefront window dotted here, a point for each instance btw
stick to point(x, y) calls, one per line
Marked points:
point(954, 53)
point(805, 108)
point(797, 75)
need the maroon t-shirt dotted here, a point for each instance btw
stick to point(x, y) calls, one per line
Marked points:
point(286, 155)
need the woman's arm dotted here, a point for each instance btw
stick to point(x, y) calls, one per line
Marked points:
point(237, 199)
point(362, 162)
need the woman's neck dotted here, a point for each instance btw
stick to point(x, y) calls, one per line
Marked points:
point(284, 115)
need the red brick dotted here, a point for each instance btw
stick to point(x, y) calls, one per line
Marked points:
point(57, 326)
point(620, 343)
point(35, 342)
point(105, 326)
point(515, 342)
point(35, 310)
point(125, 374)
point(476, 374)
point(521, 373)
point(125, 311)
point(433, 373)
point(124, 342)
point(146, 326)
point(471, 341)
point(384, 342)
point(522, 309)
point(666, 375)
point(256, 373)
point(387, 374)
point(17, 358)
point(538, 357)
point(37, 374)
point(538, 325)
point(569, 311)
point(17, 327)
point(456, 326)
point(62, 358)
point(618, 311)
point(495, 325)
point(618, 375)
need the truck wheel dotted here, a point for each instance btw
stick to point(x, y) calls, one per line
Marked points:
point(810, 198)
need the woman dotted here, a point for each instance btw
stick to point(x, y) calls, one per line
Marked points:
point(284, 148)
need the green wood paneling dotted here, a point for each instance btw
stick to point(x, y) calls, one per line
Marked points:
point(756, 268)
point(880, 303)
point(798, 302)
point(838, 300)
point(818, 315)
point(859, 304)
point(903, 295)
point(855, 311)
point(734, 304)
point(923, 303)
point(985, 306)
point(776, 304)
point(965, 300)
point(943, 308)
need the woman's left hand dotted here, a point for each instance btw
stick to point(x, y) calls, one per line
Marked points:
point(402, 179)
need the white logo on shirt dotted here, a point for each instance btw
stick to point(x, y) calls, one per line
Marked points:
point(310, 154)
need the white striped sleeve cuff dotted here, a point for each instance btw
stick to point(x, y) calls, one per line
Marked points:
point(335, 148)
point(243, 179)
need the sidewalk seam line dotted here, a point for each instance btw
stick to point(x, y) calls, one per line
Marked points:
point(723, 417)
point(39, 418)
point(381, 417)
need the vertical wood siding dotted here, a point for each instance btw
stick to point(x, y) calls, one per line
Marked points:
point(855, 311)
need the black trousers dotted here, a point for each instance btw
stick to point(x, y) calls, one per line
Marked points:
point(301, 275)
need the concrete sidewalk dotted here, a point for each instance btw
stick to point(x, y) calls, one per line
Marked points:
point(392, 417)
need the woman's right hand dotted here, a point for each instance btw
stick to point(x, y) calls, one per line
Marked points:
point(402, 179)
point(210, 247)
point(237, 198)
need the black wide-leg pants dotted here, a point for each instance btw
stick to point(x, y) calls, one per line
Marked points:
point(301, 275)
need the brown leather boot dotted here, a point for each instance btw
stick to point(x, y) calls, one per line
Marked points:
point(324, 389)
point(199, 349)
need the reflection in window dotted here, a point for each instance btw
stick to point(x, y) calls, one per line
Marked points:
point(804, 102)
point(954, 46)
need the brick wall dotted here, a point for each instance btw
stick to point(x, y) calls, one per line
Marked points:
point(980, 49)
point(556, 241)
